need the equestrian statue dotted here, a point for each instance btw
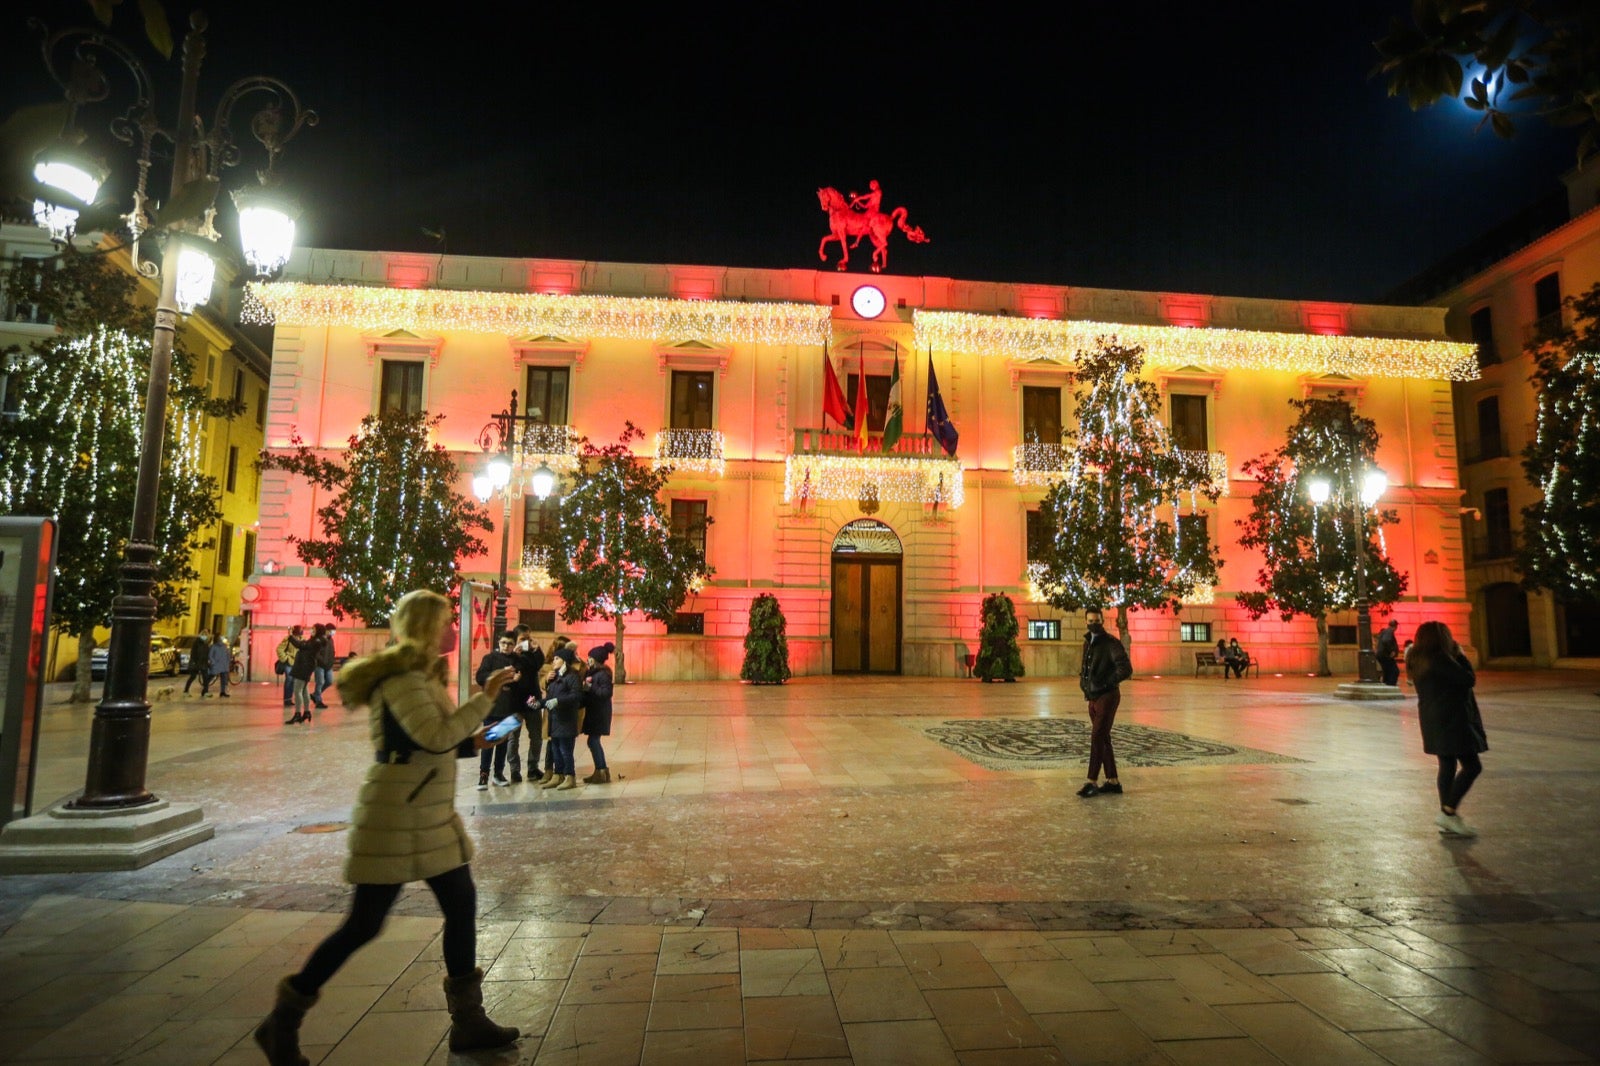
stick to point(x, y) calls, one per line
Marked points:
point(858, 215)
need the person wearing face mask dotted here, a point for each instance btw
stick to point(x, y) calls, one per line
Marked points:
point(1105, 667)
point(563, 699)
point(528, 658)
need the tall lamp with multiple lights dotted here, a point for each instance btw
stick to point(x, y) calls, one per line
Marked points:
point(68, 182)
point(1369, 489)
point(499, 440)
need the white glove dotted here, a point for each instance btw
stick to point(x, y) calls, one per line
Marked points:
point(549, 705)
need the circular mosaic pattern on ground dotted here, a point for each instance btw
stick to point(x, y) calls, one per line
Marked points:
point(1048, 743)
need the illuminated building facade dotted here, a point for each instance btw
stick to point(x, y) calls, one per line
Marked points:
point(880, 561)
point(1499, 292)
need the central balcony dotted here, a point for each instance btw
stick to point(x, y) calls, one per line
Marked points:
point(694, 451)
point(825, 465)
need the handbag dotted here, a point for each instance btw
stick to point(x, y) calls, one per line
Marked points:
point(280, 668)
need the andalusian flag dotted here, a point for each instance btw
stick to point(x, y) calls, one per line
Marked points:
point(895, 416)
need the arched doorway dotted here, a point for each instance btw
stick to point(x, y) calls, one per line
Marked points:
point(1505, 616)
point(866, 598)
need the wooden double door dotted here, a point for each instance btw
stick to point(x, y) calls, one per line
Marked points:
point(866, 614)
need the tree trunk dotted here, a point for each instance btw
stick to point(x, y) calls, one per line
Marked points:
point(1122, 629)
point(1323, 669)
point(620, 674)
point(81, 676)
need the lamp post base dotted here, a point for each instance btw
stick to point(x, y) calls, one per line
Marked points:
point(1369, 690)
point(73, 840)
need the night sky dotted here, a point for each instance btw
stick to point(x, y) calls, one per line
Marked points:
point(1133, 145)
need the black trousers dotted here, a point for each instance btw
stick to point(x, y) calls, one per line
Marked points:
point(1453, 785)
point(458, 899)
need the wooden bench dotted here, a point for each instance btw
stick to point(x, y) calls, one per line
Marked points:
point(1208, 660)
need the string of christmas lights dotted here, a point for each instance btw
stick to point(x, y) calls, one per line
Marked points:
point(849, 477)
point(697, 451)
point(535, 570)
point(994, 336)
point(377, 309)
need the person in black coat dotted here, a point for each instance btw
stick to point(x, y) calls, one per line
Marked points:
point(563, 700)
point(528, 658)
point(597, 710)
point(503, 707)
point(1105, 667)
point(1447, 711)
point(301, 671)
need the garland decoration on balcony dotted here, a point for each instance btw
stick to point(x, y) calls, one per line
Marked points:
point(885, 477)
point(997, 336)
point(376, 308)
point(693, 451)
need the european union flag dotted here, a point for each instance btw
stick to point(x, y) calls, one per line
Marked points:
point(939, 423)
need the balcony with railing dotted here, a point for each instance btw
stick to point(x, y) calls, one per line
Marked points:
point(1039, 464)
point(1213, 465)
point(1484, 449)
point(536, 444)
point(692, 451)
point(825, 465)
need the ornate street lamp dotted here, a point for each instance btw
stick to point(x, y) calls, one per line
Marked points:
point(501, 440)
point(120, 735)
point(1369, 489)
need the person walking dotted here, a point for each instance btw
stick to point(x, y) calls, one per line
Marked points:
point(219, 661)
point(286, 651)
point(1105, 667)
point(404, 828)
point(1447, 711)
point(498, 659)
point(305, 664)
point(322, 671)
point(597, 710)
point(1386, 648)
point(563, 702)
point(199, 663)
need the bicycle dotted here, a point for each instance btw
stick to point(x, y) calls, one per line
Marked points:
point(235, 670)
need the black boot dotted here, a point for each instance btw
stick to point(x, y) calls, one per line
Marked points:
point(470, 1027)
point(279, 1033)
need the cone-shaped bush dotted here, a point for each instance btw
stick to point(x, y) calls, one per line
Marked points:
point(766, 644)
point(999, 658)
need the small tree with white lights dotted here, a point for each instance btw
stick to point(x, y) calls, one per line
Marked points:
point(613, 551)
point(395, 521)
point(1115, 538)
point(1308, 550)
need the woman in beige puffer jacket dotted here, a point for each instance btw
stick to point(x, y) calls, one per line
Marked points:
point(405, 827)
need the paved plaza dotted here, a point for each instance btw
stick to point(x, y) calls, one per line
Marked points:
point(869, 870)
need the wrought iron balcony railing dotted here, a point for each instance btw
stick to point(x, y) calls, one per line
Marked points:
point(697, 451)
point(826, 466)
point(1494, 546)
point(1039, 464)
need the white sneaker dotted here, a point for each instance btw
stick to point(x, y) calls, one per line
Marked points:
point(1452, 825)
point(500, 779)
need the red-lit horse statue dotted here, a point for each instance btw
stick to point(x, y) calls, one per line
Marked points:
point(858, 216)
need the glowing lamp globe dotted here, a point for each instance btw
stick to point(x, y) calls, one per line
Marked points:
point(543, 481)
point(1319, 489)
point(1373, 486)
point(266, 228)
point(197, 272)
point(482, 487)
point(67, 170)
point(499, 473)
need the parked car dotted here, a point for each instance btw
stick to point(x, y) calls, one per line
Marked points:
point(163, 659)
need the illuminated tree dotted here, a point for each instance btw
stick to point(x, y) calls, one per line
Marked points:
point(1115, 537)
point(612, 550)
point(1561, 530)
point(395, 522)
point(1539, 53)
point(71, 437)
point(1309, 550)
point(766, 643)
point(999, 658)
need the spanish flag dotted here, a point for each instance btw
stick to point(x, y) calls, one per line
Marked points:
point(861, 407)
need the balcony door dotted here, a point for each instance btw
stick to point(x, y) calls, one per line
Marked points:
point(546, 397)
point(867, 586)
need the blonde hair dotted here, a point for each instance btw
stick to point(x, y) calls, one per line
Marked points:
point(419, 618)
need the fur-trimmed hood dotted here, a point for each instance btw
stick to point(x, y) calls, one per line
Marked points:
point(360, 676)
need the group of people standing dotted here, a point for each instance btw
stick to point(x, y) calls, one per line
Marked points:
point(556, 700)
point(209, 660)
point(306, 666)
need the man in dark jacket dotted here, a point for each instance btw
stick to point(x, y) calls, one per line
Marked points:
point(1387, 651)
point(526, 701)
point(1105, 666)
point(498, 659)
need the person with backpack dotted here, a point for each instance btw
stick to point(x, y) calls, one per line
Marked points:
point(285, 654)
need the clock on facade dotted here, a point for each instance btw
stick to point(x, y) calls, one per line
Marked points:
point(868, 301)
